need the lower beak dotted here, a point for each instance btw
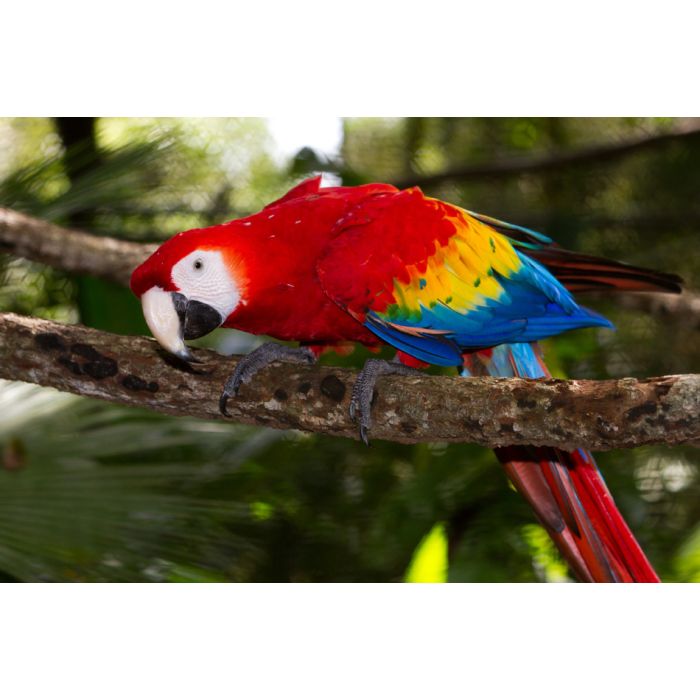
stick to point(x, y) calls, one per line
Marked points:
point(173, 319)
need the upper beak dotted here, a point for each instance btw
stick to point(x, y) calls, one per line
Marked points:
point(173, 319)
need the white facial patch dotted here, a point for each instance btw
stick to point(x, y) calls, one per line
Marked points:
point(204, 276)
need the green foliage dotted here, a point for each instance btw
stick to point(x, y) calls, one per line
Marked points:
point(90, 491)
point(97, 492)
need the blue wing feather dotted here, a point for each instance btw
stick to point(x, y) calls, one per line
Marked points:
point(533, 305)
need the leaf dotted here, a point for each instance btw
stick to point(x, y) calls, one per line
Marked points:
point(429, 562)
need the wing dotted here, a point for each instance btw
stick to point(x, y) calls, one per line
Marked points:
point(435, 281)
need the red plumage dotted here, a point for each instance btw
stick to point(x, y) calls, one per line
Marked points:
point(311, 265)
point(275, 253)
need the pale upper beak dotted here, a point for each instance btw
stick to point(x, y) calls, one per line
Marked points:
point(172, 319)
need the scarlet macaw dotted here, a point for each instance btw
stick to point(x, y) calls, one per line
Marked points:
point(442, 285)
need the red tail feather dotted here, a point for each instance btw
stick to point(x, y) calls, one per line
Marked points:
point(571, 500)
point(590, 532)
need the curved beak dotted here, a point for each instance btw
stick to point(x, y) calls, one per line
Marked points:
point(173, 319)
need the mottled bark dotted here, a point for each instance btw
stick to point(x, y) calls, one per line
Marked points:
point(492, 412)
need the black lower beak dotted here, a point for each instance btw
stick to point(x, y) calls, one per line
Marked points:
point(196, 318)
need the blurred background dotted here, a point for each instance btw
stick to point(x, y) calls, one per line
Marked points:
point(91, 491)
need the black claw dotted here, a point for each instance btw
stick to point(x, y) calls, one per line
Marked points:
point(259, 358)
point(180, 364)
point(223, 400)
point(363, 434)
point(363, 392)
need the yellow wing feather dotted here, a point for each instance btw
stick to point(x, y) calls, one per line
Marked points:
point(460, 274)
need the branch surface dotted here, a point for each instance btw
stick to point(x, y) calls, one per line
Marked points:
point(600, 415)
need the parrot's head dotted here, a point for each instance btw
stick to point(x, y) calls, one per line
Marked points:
point(189, 286)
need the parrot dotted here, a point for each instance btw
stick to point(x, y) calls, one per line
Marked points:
point(328, 266)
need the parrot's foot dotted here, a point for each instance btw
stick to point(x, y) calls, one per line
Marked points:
point(258, 359)
point(363, 391)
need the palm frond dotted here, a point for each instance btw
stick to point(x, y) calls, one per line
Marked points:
point(102, 493)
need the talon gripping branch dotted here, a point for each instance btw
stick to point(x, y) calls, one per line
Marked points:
point(444, 286)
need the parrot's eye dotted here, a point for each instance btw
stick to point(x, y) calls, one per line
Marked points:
point(198, 264)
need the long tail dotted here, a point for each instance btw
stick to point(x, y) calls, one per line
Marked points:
point(579, 272)
point(566, 489)
point(587, 273)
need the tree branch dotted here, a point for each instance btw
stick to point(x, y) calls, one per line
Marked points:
point(492, 412)
point(71, 251)
point(511, 167)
